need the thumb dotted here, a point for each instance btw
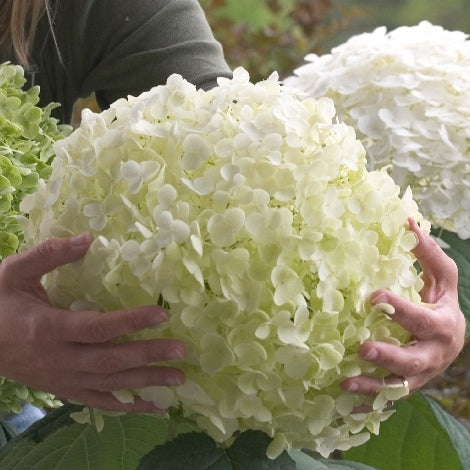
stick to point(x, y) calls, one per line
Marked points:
point(439, 270)
point(32, 264)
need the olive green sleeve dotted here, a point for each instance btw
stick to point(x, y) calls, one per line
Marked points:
point(120, 47)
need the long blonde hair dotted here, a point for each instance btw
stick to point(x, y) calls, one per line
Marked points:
point(18, 23)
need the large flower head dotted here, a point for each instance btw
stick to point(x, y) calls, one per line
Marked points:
point(248, 212)
point(407, 94)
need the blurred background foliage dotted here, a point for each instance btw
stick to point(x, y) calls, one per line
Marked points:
point(268, 35)
point(275, 35)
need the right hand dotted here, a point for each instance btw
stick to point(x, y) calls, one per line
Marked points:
point(72, 354)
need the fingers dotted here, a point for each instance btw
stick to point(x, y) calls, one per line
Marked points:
point(407, 361)
point(437, 325)
point(421, 321)
point(438, 268)
point(72, 354)
point(32, 264)
point(370, 386)
point(93, 327)
point(131, 379)
point(417, 363)
point(72, 369)
point(113, 358)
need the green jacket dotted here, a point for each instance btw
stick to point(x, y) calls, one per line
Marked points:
point(117, 48)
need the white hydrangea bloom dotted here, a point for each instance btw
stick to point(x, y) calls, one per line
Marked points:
point(249, 212)
point(407, 94)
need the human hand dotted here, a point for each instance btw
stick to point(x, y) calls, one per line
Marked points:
point(438, 325)
point(72, 355)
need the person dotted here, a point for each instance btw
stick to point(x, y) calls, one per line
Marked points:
point(115, 48)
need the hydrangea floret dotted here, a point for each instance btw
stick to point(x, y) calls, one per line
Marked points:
point(27, 134)
point(407, 94)
point(249, 213)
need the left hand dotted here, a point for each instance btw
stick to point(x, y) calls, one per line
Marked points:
point(437, 325)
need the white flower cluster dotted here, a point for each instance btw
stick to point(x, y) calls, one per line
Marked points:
point(250, 214)
point(407, 94)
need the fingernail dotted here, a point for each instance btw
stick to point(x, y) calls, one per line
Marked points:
point(80, 240)
point(351, 387)
point(175, 379)
point(160, 315)
point(371, 355)
point(176, 353)
point(379, 298)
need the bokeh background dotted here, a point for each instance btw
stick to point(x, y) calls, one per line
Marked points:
point(267, 35)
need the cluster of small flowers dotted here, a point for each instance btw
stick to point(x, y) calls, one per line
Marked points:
point(407, 94)
point(249, 212)
point(27, 133)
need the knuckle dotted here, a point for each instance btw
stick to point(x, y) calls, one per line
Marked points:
point(37, 328)
point(444, 257)
point(451, 272)
point(48, 248)
point(425, 326)
point(143, 354)
point(452, 331)
point(111, 382)
point(447, 335)
point(109, 363)
point(134, 322)
point(96, 330)
point(415, 367)
point(453, 268)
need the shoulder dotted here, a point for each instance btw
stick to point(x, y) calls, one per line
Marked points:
point(104, 42)
point(117, 18)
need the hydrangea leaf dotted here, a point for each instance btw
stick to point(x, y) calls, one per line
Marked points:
point(419, 435)
point(197, 450)
point(459, 251)
point(57, 442)
point(7, 433)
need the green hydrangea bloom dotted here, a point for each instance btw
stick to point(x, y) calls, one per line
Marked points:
point(27, 134)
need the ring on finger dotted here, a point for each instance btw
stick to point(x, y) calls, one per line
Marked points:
point(405, 383)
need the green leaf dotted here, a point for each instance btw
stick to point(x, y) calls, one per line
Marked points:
point(305, 462)
point(458, 435)
point(420, 435)
point(7, 432)
point(197, 451)
point(8, 244)
point(58, 443)
point(346, 465)
point(459, 251)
